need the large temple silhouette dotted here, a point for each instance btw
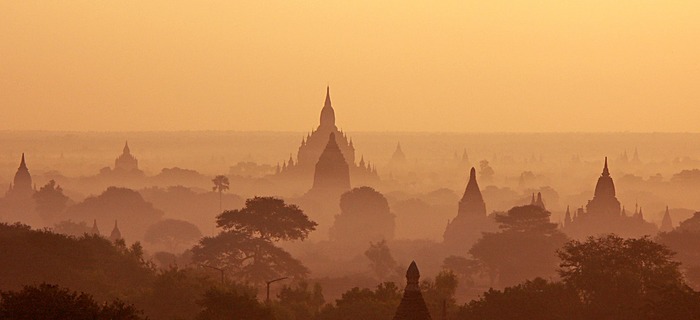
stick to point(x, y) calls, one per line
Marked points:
point(603, 214)
point(471, 219)
point(312, 147)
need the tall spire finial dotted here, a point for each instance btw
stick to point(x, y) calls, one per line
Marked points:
point(606, 173)
point(22, 164)
point(126, 147)
point(327, 113)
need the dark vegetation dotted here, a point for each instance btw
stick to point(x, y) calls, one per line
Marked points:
point(535, 272)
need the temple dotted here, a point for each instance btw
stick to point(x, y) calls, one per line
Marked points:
point(604, 201)
point(116, 234)
point(471, 218)
point(314, 144)
point(126, 163)
point(603, 214)
point(666, 223)
point(95, 231)
point(412, 305)
point(331, 174)
point(21, 187)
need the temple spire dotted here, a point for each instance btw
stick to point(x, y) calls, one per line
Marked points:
point(327, 103)
point(22, 164)
point(412, 305)
point(606, 173)
point(126, 148)
point(666, 224)
point(327, 113)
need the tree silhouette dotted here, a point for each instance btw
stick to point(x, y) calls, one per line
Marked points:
point(525, 247)
point(52, 302)
point(616, 276)
point(226, 303)
point(50, 201)
point(364, 303)
point(381, 261)
point(357, 207)
point(173, 234)
point(247, 242)
point(221, 184)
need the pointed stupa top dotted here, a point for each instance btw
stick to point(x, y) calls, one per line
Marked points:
point(412, 306)
point(116, 234)
point(606, 172)
point(532, 201)
point(412, 277)
point(398, 157)
point(567, 217)
point(605, 187)
point(95, 230)
point(666, 223)
point(126, 148)
point(22, 183)
point(22, 164)
point(539, 201)
point(327, 113)
point(472, 203)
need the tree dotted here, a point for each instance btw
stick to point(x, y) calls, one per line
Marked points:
point(71, 228)
point(381, 261)
point(126, 205)
point(439, 294)
point(364, 303)
point(246, 243)
point(175, 235)
point(221, 184)
point(525, 247)
point(533, 299)
point(685, 241)
point(602, 278)
point(615, 277)
point(364, 216)
point(52, 302)
point(299, 302)
point(232, 303)
point(50, 201)
point(485, 171)
point(464, 268)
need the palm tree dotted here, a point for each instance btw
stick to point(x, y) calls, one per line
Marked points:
point(220, 184)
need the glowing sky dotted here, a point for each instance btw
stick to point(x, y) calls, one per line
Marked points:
point(515, 66)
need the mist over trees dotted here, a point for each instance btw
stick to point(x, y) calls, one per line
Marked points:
point(195, 249)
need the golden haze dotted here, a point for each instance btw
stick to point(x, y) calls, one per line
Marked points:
point(516, 66)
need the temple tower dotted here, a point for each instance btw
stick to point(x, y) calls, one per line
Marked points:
point(604, 201)
point(332, 173)
point(472, 203)
point(116, 234)
point(21, 187)
point(412, 306)
point(126, 163)
point(666, 223)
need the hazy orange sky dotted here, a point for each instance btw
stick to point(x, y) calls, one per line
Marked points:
point(392, 65)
